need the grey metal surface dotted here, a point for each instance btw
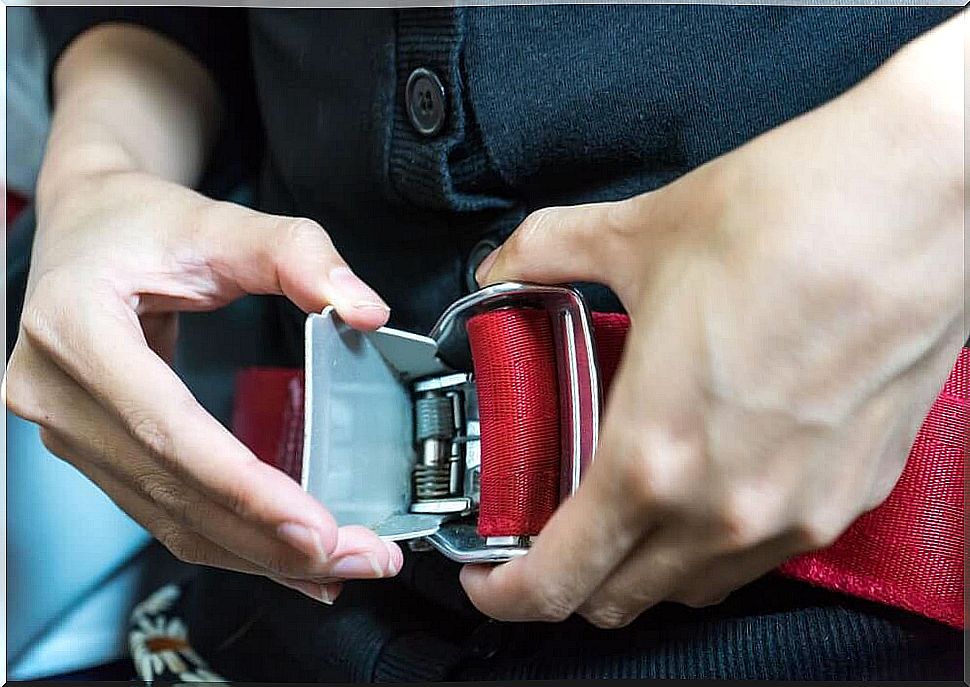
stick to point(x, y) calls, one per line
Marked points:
point(413, 356)
point(457, 504)
point(460, 542)
point(358, 433)
point(401, 526)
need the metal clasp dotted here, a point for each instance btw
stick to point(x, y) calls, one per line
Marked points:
point(391, 420)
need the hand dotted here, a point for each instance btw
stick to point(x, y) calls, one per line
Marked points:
point(116, 256)
point(796, 306)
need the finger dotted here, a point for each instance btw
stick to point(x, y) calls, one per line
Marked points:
point(108, 356)
point(326, 592)
point(644, 579)
point(186, 545)
point(290, 256)
point(623, 496)
point(104, 445)
point(579, 546)
point(714, 582)
point(564, 244)
point(183, 519)
point(181, 541)
point(360, 553)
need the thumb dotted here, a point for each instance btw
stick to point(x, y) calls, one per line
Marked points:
point(564, 244)
point(293, 257)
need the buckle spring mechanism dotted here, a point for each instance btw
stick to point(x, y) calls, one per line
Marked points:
point(446, 432)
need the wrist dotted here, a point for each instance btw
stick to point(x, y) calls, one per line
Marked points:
point(920, 91)
point(67, 167)
point(128, 100)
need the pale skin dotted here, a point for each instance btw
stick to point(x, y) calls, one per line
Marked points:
point(795, 304)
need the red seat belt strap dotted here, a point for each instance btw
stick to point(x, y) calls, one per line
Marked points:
point(519, 418)
point(908, 552)
point(267, 415)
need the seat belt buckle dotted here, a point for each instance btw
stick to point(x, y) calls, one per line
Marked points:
point(391, 426)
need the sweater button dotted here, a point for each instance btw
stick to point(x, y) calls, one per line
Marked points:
point(424, 97)
point(475, 257)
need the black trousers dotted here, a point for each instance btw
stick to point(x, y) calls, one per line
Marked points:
point(774, 628)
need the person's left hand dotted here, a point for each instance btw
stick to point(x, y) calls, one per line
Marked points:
point(795, 306)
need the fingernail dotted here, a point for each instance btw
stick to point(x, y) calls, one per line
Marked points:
point(324, 593)
point(364, 305)
point(357, 565)
point(302, 538)
point(392, 566)
point(485, 266)
point(330, 592)
point(356, 291)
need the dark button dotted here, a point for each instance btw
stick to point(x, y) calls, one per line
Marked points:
point(425, 98)
point(475, 257)
point(485, 641)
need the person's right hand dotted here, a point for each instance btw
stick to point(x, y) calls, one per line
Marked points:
point(116, 256)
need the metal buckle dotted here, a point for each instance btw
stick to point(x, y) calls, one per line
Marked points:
point(360, 448)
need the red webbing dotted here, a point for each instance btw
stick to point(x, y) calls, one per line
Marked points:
point(519, 420)
point(609, 330)
point(15, 205)
point(267, 416)
point(907, 553)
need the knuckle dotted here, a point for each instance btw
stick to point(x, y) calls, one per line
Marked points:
point(659, 468)
point(610, 617)
point(51, 442)
point(645, 488)
point(40, 319)
point(531, 231)
point(20, 397)
point(552, 604)
point(644, 482)
point(696, 601)
point(185, 546)
point(741, 523)
point(238, 497)
point(537, 222)
point(303, 234)
point(700, 598)
point(153, 427)
point(818, 531)
point(163, 492)
point(36, 323)
point(149, 432)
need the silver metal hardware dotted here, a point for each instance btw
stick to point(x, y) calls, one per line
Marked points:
point(391, 421)
point(460, 542)
point(443, 407)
